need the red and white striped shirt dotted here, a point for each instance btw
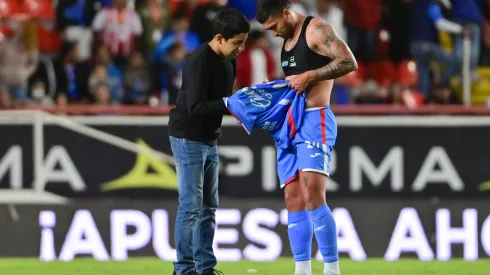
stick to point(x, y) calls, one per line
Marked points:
point(118, 29)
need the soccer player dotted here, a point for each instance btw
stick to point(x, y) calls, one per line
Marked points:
point(194, 129)
point(312, 57)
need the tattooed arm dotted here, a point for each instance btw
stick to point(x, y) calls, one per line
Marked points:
point(324, 40)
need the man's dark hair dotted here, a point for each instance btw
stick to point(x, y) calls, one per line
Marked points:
point(230, 22)
point(268, 8)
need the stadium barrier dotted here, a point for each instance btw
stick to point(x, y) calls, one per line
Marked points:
point(249, 230)
point(99, 156)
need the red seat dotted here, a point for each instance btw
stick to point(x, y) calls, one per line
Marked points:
point(40, 9)
point(9, 9)
point(354, 78)
point(407, 73)
point(413, 99)
point(6, 31)
point(383, 72)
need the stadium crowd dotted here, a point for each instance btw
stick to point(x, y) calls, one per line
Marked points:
point(109, 52)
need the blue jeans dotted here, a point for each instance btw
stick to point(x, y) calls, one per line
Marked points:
point(197, 177)
point(475, 45)
point(425, 52)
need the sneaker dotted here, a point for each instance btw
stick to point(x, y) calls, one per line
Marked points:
point(213, 272)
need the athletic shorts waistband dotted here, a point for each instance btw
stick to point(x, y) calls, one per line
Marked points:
point(317, 108)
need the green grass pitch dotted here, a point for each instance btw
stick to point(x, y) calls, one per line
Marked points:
point(284, 266)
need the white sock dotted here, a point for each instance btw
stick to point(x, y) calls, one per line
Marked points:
point(303, 268)
point(331, 268)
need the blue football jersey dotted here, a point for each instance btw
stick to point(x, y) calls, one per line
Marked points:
point(273, 106)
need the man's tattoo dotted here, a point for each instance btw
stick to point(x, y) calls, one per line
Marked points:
point(305, 179)
point(343, 61)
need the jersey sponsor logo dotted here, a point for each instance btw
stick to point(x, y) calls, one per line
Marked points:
point(289, 63)
point(292, 63)
point(258, 98)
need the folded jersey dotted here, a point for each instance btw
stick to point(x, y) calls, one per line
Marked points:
point(272, 106)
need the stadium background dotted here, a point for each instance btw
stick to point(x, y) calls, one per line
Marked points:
point(86, 169)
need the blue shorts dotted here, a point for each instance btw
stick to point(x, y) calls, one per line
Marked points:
point(312, 146)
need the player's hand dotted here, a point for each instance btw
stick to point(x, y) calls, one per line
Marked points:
point(300, 82)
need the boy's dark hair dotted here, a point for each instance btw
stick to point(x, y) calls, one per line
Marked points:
point(230, 22)
point(268, 8)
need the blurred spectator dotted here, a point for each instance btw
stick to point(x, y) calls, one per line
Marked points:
point(398, 24)
point(468, 14)
point(179, 32)
point(76, 13)
point(330, 12)
point(155, 17)
point(485, 30)
point(61, 100)
point(71, 76)
point(298, 6)
point(397, 94)
point(167, 76)
point(137, 80)
point(362, 18)
point(426, 20)
point(73, 19)
point(102, 95)
point(202, 18)
point(371, 93)
point(39, 95)
point(18, 60)
point(6, 101)
point(45, 73)
point(100, 76)
point(247, 7)
point(442, 94)
point(104, 61)
point(104, 58)
point(256, 63)
point(187, 5)
point(114, 72)
point(119, 28)
point(105, 3)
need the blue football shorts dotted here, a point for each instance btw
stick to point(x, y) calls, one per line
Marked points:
point(311, 148)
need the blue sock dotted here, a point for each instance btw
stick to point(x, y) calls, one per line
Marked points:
point(325, 233)
point(300, 231)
